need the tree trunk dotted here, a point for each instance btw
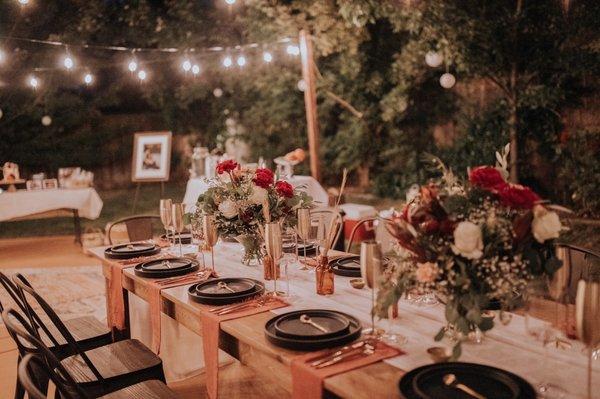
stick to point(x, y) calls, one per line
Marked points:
point(363, 176)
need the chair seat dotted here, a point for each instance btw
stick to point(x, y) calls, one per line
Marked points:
point(153, 389)
point(127, 361)
point(88, 331)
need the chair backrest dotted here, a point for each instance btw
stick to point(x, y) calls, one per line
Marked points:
point(139, 227)
point(357, 226)
point(46, 364)
point(29, 294)
point(12, 291)
point(325, 216)
point(581, 263)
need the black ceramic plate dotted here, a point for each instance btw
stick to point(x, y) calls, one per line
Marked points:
point(352, 334)
point(290, 325)
point(162, 265)
point(307, 250)
point(239, 285)
point(346, 272)
point(132, 247)
point(166, 272)
point(128, 255)
point(186, 238)
point(259, 289)
point(348, 263)
point(427, 382)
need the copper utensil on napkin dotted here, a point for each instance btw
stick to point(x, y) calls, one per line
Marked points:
point(366, 351)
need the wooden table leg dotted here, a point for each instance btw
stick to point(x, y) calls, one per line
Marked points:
point(77, 226)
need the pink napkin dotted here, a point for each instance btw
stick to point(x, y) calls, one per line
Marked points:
point(154, 301)
point(210, 339)
point(307, 381)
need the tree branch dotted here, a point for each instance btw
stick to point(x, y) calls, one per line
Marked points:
point(345, 104)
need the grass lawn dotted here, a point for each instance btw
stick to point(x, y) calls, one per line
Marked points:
point(117, 204)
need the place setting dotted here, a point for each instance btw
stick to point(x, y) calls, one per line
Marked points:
point(132, 250)
point(166, 267)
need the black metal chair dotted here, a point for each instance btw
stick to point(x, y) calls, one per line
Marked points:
point(581, 263)
point(101, 370)
point(324, 217)
point(358, 225)
point(139, 227)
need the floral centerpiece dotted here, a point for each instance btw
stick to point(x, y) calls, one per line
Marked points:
point(240, 200)
point(471, 242)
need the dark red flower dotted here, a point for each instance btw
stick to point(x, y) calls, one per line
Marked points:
point(518, 197)
point(227, 166)
point(263, 177)
point(284, 189)
point(488, 178)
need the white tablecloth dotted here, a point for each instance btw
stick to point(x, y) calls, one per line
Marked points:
point(25, 203)
point(198, 186)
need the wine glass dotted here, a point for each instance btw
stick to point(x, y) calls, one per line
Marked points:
point(303, 230)
point(587, 314)
point(274, 246)
point(371, 266)
point(289, 241)
point(198, 236)
point(211, 235)
point(165, 215)
point(177, 212)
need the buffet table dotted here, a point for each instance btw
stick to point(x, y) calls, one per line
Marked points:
point(507, 347)
point(79, 203)
point(197, 186)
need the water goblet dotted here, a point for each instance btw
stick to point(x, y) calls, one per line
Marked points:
point(587, 314)
point(211, 235)
point(303, 230)
point(290, 256)
point(274, 246)
point(177, 212)
point(165, 215)
point(371, 267)
point(198, 236)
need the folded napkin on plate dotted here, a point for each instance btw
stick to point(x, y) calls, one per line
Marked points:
point(116, 302)
point(155, 286)
point(307, 381)
point(210, 339)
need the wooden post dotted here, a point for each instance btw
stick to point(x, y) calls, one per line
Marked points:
point(310, 103)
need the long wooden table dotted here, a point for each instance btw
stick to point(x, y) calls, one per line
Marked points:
point(508, 347)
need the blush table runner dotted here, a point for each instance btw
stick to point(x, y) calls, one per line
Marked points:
point(307, 381)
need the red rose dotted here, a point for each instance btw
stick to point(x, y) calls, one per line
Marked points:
point(284, 189)
point(226, 166)
point(263, 177)
point(518, 197)
point(488, 178)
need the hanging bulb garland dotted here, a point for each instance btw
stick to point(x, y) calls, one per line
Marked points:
point(46, 120)
point(434, 59)
point(447, 80)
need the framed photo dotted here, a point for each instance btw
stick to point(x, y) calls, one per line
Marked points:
point(50, 184)
point(33, 185)
point(151, 156)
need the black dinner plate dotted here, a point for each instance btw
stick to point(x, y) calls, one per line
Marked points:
point(186, 238)
point(427, 382)
point(346, 272)
point(259, 289)
point(128, 255)
point(290, 325)
point(307, 250)
point(350, 335)
point(211, 288)
point(184, 266)
point(161, 265)
point(348, 263)
point(132, 247)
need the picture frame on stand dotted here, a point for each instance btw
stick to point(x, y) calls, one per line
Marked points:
point(151, 161)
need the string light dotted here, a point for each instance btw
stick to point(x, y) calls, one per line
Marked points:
point(2, 56)
point(267, 57)
point(241, 61)
point(88, 78)
point(23, 2)
point(227, 62)
point(142, 75)
point(33, 82)
point(132, 66)
point(230, 2)
point(186, 65)
point(68, 62)
point(292, 49)
point(46, 120)
point(195, 69)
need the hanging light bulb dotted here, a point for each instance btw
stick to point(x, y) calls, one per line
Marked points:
point(218, 92)
point(68, 62)
point(142, 75)
point(2, 56)
point(88, 78)
point(186, 65)
point(33, 82)
point(195, 69)
point(132, 66)
point(23, 2)
point(241, 61)
point(267, 57)
point(227, 62)
point(293, 49)
point(46, 120)
point(230, 2)
point(447, 80)
point(434, 59)
point(301, 85)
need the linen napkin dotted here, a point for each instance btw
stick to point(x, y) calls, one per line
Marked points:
point(307, 381)
point(210, 339)
point(154, 289)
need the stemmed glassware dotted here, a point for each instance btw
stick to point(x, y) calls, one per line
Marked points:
point(290, 256)
point(211, 235)
point(166, 215)
point(177, 212)
point(303, 230)
point(274, 245)
point(197, 231)
point(587, 314)
point(371, 267)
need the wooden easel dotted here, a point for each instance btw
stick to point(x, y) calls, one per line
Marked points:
point(137, 193)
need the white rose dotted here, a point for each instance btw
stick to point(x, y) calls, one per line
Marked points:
point(545, 225)
point(228, 209)
point(258, 196)
point(468, 241)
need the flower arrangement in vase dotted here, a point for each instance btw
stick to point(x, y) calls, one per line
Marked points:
point(239, 199)
point(471, 242)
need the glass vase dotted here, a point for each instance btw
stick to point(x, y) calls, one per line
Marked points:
point(251, 244)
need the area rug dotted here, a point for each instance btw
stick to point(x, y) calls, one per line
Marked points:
point(71, 291)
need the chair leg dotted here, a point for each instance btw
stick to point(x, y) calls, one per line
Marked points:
point(19, 391)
